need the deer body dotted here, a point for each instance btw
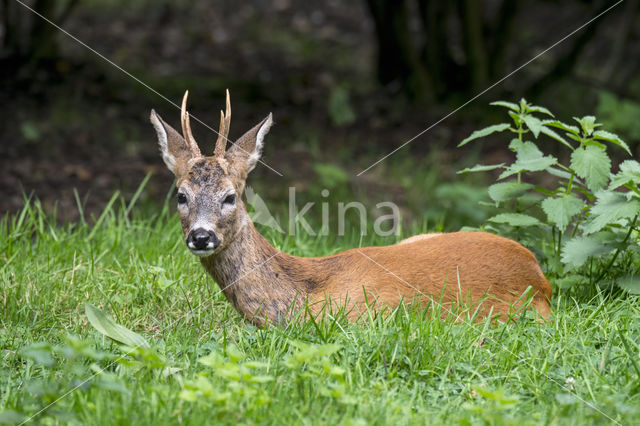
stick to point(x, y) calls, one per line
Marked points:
point(493, 273)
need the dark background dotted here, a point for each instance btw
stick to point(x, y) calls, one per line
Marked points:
point(347, 81)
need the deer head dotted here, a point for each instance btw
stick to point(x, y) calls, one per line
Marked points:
point(210, 187)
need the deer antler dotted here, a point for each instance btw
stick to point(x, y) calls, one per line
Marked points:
point(225, 123)
point(186, 127)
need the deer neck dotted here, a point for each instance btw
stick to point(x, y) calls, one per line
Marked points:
point(255, 277)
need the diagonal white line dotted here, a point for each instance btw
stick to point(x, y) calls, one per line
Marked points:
point(491, 87)
point(122, 356)
point(503, 346)
point(137, 79)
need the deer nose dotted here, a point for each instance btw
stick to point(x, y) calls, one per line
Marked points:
point(202, 239)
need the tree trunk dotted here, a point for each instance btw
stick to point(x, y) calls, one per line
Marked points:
point(476, 51)
point(398, 59)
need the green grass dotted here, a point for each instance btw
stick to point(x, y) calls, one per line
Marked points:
point(206, 365)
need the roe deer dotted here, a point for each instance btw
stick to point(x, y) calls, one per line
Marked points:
point(268, 286)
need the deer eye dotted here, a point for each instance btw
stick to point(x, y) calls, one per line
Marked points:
point(229, 199)
point(182, 198)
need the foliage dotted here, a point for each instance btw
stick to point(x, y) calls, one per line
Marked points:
point(578, 213)
point(204, 364)
point(621, 114)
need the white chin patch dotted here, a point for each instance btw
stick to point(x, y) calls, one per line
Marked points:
point(202, 253)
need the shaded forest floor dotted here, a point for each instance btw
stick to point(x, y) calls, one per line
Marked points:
point(79, 124)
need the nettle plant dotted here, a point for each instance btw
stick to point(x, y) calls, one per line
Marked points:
point(585, 221)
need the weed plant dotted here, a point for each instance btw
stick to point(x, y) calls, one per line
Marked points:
point(64, 289)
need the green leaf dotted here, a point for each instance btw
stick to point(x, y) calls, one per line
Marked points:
point(570, 281)
point(107, 326)
point(330, 175)
point(508, 190)
point(112, 385)
point(482, 168)
point(553, 135)
point(611, 137)
point(578, 250)
point(516, 118)
point(40, 353)
point(515, 219)
point(234, 353)
point(559, 173)
point(629, 173)
point(30, 131)
point(543, 110)
point(560, 210)
point(577, 182)
point(564, 398)
point(12, 417)
point(563, 126)
point(630, 283)
point(593, 165)
point(509, 105)
point(212, 360)
point(610, 207)
point(485, 132)
point(534, 124)
point(188, 395)
point(588, 124)
point(528, 158)
point(339, 106)
point(575, 138)
point(593, 142)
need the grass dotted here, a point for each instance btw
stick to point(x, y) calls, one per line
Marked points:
point(206, 365)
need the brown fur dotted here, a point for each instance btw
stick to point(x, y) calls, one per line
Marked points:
point(489, 273)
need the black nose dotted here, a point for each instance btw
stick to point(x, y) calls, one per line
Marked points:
point(202, 239)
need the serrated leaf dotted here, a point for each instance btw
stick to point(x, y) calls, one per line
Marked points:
point(588, 124)
point(543, 110)
point(528, 159)
point(482, 168)
point(553, 135)
point(610, 207)
point(578, 250)
point(528, 152)
point(560, 125)
point(561, 210)
point(485, 132)
point(107, 326)
point(515, 219)
point(630, 283)
point(534, 124)
point(629, 173)
point(593, 165)
point(535, 165)
point(508, 190)
point(509, 105)
point(611, 137)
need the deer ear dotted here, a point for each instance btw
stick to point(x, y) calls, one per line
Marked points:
point(246, 151)
point(175, 151)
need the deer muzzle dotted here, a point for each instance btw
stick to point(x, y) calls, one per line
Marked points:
point(202, 242)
